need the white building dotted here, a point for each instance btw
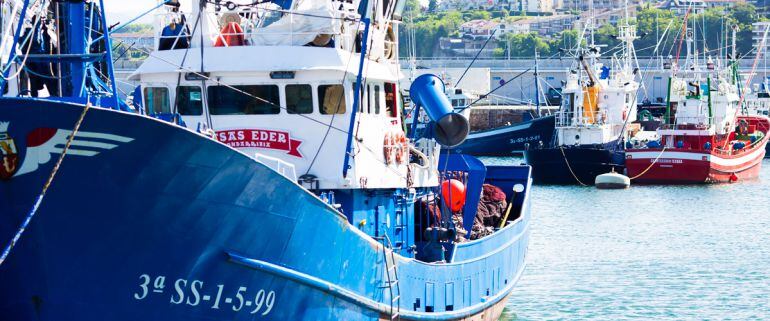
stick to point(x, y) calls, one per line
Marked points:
point(759, 29)
point(531, 6)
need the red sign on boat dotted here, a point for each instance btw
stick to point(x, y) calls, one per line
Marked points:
point(260, 138)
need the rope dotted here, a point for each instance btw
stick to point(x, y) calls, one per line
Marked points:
point(48, 183)
point(650, 167)
point(27, 42)
point(570, 167)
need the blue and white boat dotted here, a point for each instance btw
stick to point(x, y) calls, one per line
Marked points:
point(265, 175)
point(508, 140)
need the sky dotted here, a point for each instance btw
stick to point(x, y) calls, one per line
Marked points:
point(124, 10)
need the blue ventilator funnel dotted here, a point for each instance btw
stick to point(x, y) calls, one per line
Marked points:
point(450, 129)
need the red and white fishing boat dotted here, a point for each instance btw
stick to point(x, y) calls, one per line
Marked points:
point(704, 140)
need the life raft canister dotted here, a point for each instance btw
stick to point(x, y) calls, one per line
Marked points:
point(388, 147)
point(395, 148)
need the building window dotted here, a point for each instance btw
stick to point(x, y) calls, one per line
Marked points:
point(189, 100)
point(331, 99)
point(156, 100)
point(244, 100)
point(299, 99)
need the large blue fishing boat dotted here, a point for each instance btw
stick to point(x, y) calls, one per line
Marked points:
point(262, 173)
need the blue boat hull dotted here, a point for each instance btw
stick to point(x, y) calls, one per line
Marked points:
point(508, 140)
point(577, 164)
point(164, 224)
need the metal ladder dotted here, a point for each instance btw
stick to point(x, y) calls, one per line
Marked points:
point(392, 282)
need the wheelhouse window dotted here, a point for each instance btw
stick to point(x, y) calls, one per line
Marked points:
point(156, 100)
point(332, 99)
point(363, 100)
point(391, 105)
point(569, 103)
point(189, 100)
point(299, 99)
point(244, 100)
point(377, 99)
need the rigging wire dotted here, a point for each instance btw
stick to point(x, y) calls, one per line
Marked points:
point(482, 97)
point(457, 84)
point(26, 42)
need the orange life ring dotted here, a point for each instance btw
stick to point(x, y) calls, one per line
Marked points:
point(388, 147)
point(403, 148)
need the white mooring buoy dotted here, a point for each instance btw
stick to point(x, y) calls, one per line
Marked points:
point(612, 180)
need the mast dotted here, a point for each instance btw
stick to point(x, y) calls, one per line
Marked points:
point(537, 86)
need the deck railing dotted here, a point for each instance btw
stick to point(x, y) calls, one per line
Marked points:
point(581, 119)
point(266, 25)
point(690, 123)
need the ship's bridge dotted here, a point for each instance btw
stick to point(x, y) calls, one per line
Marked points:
point(287, 92)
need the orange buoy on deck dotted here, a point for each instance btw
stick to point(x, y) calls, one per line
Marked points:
point(453, 192)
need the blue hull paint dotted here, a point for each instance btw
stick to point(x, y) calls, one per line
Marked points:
point(508, 140)
point(585, 163)
point(174, 226)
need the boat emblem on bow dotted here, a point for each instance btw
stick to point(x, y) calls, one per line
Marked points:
point(9, 156)
point(42, 143)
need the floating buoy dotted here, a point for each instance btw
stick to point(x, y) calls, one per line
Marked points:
point(612, 180)
point(453, 192)
point(733, 178)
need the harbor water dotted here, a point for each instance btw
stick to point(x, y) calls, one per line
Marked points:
point(649, 252)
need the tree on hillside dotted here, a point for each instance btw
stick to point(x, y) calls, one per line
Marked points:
point(524, 45)
point(432, 5)
point(744, 15)
point(412, 9)
point(477, 15)
point(606, 35)
point(652, 24)
point(568, 39)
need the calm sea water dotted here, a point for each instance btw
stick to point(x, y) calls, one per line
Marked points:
point(649, 252)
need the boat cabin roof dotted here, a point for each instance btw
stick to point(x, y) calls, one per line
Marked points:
point(247, 59)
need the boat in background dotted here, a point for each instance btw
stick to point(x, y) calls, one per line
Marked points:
point(598, 104)
point(511, 139)
point(758, 103)
point(508, 140)
point(280, 187)
point(705, 138)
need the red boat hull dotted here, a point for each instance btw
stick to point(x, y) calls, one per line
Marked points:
point(688, 166)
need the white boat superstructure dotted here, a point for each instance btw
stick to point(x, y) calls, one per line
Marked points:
point(758, 100)
point(702, 103)
point(278, 79)
point(597, 100)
